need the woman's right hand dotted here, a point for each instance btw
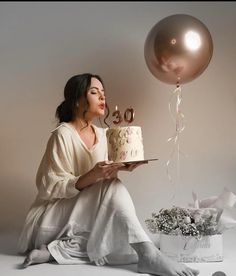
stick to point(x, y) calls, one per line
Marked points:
point(105, 170)
point(101, 171)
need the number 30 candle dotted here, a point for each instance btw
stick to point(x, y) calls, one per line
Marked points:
point(128, 116)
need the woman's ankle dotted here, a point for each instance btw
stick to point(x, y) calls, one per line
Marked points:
point(144, 249)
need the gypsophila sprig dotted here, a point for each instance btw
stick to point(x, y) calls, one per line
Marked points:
point(184, 221)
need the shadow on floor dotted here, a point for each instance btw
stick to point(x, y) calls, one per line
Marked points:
point(131, 268)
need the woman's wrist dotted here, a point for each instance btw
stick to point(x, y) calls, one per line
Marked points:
point(85, 180)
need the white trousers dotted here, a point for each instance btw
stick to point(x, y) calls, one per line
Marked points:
point(97, 226)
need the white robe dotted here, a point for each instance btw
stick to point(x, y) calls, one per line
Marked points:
point(95, 224)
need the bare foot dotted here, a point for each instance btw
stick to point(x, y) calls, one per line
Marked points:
point(153, 261)
point(37, 256)
point(159, 264)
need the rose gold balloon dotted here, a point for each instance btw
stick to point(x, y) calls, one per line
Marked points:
point(178, 49)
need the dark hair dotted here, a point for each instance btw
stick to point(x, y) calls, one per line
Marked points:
point(76, 87)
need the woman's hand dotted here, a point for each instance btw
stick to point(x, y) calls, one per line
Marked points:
point(101, 171)
point(105, 170)
point(131, 167)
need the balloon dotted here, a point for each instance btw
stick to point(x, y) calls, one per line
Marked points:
point(178, 49)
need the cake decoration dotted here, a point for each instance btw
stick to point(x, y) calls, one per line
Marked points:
point(125, 143)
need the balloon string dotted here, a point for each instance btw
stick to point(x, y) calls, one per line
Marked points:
point(178, 118)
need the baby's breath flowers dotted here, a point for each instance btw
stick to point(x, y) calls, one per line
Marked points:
point(184, 221)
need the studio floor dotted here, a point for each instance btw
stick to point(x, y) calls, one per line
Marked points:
point(10, 261)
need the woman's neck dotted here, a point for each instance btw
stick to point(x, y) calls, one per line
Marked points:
point(82, 124)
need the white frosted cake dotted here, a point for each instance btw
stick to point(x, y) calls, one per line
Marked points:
point(125, 144)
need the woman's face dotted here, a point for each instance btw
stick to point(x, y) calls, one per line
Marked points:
point(96, 98)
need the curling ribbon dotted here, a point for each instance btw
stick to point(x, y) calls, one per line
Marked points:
point(178, 118)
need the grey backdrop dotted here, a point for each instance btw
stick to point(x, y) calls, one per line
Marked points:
point(44, 44)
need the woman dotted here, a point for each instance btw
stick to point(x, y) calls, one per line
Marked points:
point(83, 213)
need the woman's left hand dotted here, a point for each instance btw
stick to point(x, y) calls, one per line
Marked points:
point(131, 167)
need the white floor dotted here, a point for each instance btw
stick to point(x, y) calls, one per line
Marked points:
point(10, 261)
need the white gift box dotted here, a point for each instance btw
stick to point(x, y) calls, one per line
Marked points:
point(192, 249)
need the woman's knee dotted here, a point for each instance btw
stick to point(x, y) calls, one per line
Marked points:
point(121, 199)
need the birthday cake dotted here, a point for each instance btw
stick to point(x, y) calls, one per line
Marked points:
point(125, 144)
